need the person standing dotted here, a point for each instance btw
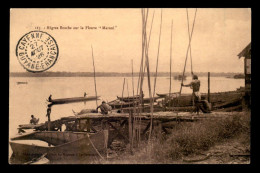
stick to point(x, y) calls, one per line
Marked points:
point(196, 96)
point(50, 99)
point(49, 117)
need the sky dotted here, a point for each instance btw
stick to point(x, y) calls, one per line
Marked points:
point(219, 35)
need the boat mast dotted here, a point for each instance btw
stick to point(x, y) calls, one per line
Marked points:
point(94, 75)
point(170, 64)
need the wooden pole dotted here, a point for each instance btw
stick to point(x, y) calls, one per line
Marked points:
point(189, 40)
point(128, 92)
point(123, 93)
point(170, 65)
point(130, 125)
point(49, 117)
point(134, 110)
point(133, 77)
point(188, 48)
point(146, 48)
point(148, 71)
point(209, 87)
point(94, 75)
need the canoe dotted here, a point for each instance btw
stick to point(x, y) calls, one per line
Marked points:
point(59, 145)
point(127, 99)
point(73, 99)
point(30, 126)
point(22, 83)
point(121, 104)
point(183, 103)
point(216, 99)
point(167, 94)
point(147, 100)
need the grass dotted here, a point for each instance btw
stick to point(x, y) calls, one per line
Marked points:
point(191, 138)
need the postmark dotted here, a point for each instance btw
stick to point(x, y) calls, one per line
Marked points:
point(37, 51)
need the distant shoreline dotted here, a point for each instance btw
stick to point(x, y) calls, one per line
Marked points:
point(112, 74)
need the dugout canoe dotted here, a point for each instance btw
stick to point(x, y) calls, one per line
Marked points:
point(57, 145)
point(127, 100)
point(18, 83)
point(73, 99)
point(218, 100)
point(131, 98)
point(117, 104)
point(167, 94)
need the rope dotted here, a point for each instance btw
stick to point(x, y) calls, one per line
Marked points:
point(95, 149)
point(188, 49)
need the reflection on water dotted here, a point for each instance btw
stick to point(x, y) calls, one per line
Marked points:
point(31, 99)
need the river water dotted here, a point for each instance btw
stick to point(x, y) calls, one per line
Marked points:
point(30, 99)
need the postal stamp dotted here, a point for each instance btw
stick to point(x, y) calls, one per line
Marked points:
point(37, 51)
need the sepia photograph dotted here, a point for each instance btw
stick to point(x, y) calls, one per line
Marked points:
point(129, 86)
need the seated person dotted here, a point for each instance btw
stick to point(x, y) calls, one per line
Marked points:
point(34, 121)
point(104, 107)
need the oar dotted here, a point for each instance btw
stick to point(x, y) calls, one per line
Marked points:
point(75, 113)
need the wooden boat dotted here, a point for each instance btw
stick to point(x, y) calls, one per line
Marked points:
point(117, 104)
point(127, 99)
point(239, 76)
point(217, 100)
point(176, 94)
point(73, 99)
point(57, 145)
point(18, 83)
point(145, 100)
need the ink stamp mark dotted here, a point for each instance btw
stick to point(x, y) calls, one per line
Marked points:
point(37, 51)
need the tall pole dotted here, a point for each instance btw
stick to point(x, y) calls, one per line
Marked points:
point(133, 78)
point(123, 92)
point(189, 40)
point(170, 64)
point(148, 73)
point(94, 75)
point(188, 47)
point(208, 86)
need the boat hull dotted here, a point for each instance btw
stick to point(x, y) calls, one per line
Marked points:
point(75, 99)
point(63, 145)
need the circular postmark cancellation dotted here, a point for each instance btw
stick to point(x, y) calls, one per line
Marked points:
point(37, 51)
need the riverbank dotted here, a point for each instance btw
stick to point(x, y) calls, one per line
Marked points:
point(222, 141)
